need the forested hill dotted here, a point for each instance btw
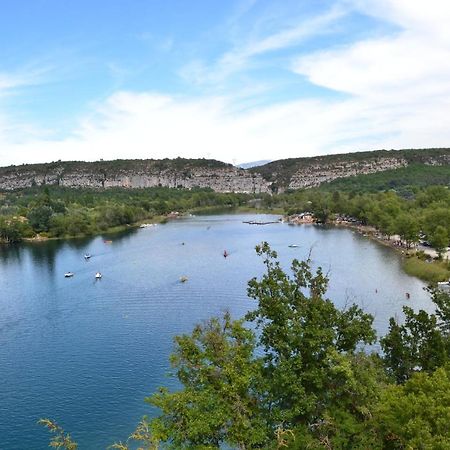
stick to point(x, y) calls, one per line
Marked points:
point(277, 176)
point(296, 173)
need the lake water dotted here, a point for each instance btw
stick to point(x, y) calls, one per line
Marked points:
point(87, 352)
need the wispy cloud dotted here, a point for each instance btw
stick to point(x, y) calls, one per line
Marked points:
point(30, 75)
point(240, 57)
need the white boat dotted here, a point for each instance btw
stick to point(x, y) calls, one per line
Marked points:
point(69, 274)
point(147, 225)
point(87, 256)
point(293, 246)
point(444, 285)
point(98, 275)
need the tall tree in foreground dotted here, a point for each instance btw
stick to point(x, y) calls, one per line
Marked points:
point(218, 402)
point(314, 379)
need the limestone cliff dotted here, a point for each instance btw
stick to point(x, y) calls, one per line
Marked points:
point(177, 173)
point(297, 173)
point(277, 176)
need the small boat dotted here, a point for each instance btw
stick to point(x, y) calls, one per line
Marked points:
point(69, 274)
point(107, 241)
point(225, 253)
point(87, 256)
point(293, 246)
point(98, 275)
point(183, 279)
point(444, 285)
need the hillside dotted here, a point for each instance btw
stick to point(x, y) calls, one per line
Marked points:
point(404, 180)
point(276, 176)
point(296, 173)
point(174, 173)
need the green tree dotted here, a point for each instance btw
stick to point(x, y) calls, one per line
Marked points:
point(11, 231)
point(309, 349)
point(39, 218)
point(416, 415)
point(408, 228)
point(439, 239)
point(218, 403)
point(422, 342)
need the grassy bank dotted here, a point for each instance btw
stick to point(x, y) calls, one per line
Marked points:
point(428, 271)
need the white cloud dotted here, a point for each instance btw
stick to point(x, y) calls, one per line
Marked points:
point(141, 125)
point(400, 84)
point(397, 95)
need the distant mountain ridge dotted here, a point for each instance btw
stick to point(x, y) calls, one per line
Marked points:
point(276, 176)
point(249, 165)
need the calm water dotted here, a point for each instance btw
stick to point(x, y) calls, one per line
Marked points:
point(86, 353)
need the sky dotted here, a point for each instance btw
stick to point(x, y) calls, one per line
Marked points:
point(234, 80)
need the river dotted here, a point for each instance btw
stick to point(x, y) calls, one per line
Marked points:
point(87, 352)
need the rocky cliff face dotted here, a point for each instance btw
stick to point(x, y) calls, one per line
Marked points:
point(135, 174)
point(276, 176)
point(301, 173)
point(317, 174)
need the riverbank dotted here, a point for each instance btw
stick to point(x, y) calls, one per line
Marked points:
point(416, 261)
point(109, 231)
point(159, 219)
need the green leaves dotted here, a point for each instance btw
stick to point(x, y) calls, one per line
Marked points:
point(422, 342)
point(218, 403)
point(308, 343)
point(417, 414)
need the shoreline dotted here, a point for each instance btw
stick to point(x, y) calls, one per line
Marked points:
point(430, 270)
point(417, 261)
point(156, 220)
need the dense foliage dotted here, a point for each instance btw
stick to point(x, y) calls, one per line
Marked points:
point(404, 181)
point(428, 211)
point(296, 377)
point(63, 212)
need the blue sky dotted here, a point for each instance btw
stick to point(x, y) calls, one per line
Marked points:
point(239, 80)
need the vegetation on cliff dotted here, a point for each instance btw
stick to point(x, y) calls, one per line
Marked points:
point(295, 376)
point(280, 172)
point(405, 180)
point(275, 176)
point(115, 166)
